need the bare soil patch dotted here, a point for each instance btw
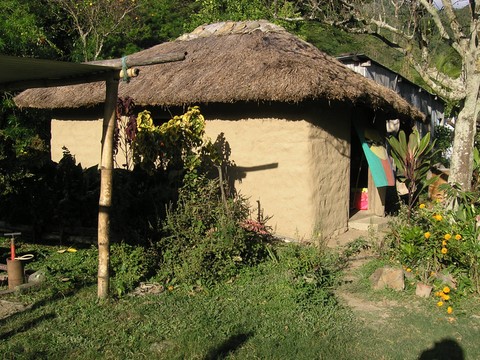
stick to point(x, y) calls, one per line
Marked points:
point(8, 308)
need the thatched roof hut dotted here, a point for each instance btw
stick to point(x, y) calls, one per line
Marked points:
point(286, 109)
point(228, 62)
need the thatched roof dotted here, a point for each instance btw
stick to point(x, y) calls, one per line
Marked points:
point(229, 62)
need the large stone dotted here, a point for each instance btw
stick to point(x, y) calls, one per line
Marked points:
point(447, 279)
point(423, 290)
point(388, 277)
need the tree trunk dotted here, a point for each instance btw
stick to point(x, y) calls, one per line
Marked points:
point(461, 165)
point(105, 201)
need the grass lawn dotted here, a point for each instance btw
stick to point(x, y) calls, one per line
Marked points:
point(272, 311)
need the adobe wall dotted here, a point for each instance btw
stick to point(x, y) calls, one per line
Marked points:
point(274, 154)
point(329, 164)
point(82, 138)
point(305, 178)
point(297, 169)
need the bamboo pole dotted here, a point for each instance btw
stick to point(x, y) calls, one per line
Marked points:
point(132, 61)
point(105, 200)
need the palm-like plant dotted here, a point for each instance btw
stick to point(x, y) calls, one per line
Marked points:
point(412, 160)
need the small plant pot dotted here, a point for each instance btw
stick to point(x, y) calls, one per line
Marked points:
point(423, 290)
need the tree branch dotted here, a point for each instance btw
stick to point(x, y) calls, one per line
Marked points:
point(445, 87)
point(392, 29)
point(427, 4)
point(453, 21)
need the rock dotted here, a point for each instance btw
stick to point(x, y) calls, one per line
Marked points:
point(388, 277)
point(423, 290)
point(38, 276)
point(148, 289)
point(447, 279)
point(409, 275)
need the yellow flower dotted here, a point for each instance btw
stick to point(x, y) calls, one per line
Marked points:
point(427, 235)
point(444, 243)
point(458, 237)
point(447, 236)
point(444, 250)
point(422, 206)
point(440, 303)
point(449, 310)
point(170, 288)
point(408, 270)
point(446, 297)
point(446, 290)
point(438, 217)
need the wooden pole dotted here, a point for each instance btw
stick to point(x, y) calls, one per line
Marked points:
point(132, 61)
point(105, 201)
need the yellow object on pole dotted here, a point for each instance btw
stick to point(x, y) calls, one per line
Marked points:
point(105, 200)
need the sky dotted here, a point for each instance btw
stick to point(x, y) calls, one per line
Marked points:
point(458, 4)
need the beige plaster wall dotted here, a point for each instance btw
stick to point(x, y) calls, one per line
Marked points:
point(298, 170)
point(82, 138)
point(329, 165)
point(308, 189)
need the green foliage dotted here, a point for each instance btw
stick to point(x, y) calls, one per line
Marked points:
point(67, 271)
point(129, 265)
point(21, 32)
point(439, 241)
point(443, 143)
point(177, 144)
point(356, 246)
point(153, 22)
point(476, 170)
point(211, 11)
point(314, 273)
point(330, 40)
point(257, 315)
point(93, 21)
point(412, 159)
point(25, 168)
point(205, 239)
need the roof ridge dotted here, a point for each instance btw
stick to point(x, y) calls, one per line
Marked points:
point(229, 27)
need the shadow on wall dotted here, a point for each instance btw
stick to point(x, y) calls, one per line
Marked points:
point(235, 172)
point(446, 349)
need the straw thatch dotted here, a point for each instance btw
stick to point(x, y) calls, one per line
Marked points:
point(229, 62)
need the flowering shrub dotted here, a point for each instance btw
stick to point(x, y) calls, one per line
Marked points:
point(440, 245)
point(444, 299)
point(255, 226)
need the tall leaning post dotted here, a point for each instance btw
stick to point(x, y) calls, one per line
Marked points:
point(105, 200)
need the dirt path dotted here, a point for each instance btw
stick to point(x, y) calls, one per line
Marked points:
point(374, 312)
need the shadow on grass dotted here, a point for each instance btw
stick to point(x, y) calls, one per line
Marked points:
point(48, 300)
point(27, 325)
point(228, 346)
point(446, 349)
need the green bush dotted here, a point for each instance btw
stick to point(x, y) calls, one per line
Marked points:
point(207, 240)
point(129, 265)
point(439, 241)
point(314, 273)
point(443, 144)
